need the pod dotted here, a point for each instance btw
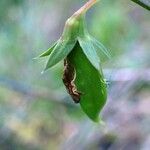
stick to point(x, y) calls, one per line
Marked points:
point(89, 82)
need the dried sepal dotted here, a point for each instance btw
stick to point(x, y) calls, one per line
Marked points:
point(69, 77)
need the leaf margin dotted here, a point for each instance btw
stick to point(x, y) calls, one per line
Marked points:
point(59, 52)
point(93, 58)
point(101, 47)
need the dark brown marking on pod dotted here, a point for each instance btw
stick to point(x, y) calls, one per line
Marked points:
point(68, 80)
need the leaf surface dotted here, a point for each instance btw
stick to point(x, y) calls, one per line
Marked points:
point(47, 52)
point(101, 48)
point(60, 51)
point(90, 82)
point(90, 51)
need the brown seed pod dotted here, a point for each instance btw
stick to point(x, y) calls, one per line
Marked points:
point(68, 80)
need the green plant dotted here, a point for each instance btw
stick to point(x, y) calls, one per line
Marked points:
point(83, 76)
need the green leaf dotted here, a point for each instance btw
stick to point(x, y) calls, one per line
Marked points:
point(60, 51)
point(48, 52)
point(89, 50)
point(89, 82)
point(101, 48)
point(143, 3)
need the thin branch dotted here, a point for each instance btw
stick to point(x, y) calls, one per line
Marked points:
point(143, 3)
point(85, 7)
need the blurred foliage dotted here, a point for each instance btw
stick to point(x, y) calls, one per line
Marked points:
point(36, 113)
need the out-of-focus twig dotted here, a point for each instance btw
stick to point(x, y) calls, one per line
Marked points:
point(29, 90)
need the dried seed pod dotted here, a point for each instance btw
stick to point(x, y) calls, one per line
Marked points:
point(68, 80)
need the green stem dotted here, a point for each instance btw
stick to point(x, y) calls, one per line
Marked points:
point(85, 7)
point(145, 4)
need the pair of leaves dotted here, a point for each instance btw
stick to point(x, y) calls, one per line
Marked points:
point(59, 50)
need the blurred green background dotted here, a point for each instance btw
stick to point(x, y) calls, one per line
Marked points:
point(36, 113)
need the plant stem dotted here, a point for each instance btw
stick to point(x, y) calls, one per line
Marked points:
point(85, 7)
point(145, 4)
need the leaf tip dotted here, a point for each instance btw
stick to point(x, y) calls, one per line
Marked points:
point(35, 58)
point(42, 72)
point(99, 121)
point(102, 123)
